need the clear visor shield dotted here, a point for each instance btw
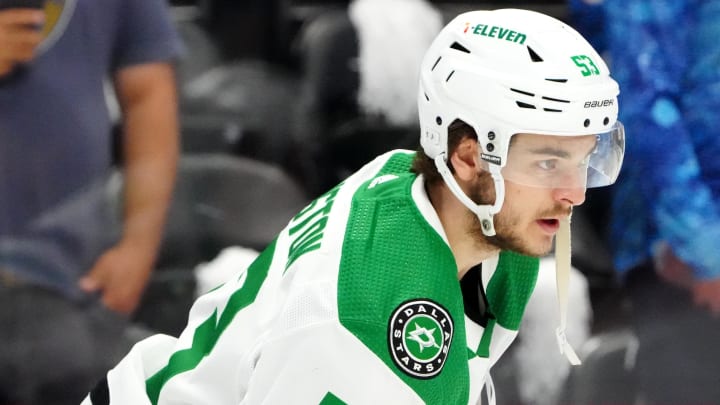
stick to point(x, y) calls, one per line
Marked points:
point(552, 161)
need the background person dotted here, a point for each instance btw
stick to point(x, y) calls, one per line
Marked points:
point(70, 272)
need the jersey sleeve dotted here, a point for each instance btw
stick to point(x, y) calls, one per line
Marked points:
point(146, 33)
point(126, 382)
point(320, 363)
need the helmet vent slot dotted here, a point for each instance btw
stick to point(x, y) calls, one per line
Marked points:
point(436, 63)
point(557, 80)
point(551, 110)
point(459, 47)
point(449, 76)
point(534, 56)
point(523, 92)
point(525, 105)
point(555, 99)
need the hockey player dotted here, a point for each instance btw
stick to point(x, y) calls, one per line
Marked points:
point(405, 283)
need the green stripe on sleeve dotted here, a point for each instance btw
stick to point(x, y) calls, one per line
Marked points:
point(510, 287)
point(207, 333)
point(484, 346)
point(331, 399)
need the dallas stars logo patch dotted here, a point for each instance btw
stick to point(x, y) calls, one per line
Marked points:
point(420, 333)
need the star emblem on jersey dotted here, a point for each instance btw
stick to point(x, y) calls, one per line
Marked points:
point(420, 332)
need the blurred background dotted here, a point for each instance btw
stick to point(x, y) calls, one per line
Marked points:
point(279, 100)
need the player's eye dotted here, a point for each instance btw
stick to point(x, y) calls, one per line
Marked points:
point(549, 164)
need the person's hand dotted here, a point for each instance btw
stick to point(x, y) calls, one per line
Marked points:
point(19, 36)
point(120, 276)
point(673, 270)
point(706, 293)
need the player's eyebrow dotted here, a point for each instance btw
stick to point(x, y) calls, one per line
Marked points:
point(547, 150)
point(557, 152)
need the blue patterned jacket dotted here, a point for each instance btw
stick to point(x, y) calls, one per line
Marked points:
point(665, 54)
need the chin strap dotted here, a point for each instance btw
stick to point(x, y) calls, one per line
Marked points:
point(562, 277)
point(483, 212)
point(489, 390)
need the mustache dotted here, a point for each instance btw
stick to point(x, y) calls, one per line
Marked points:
point(557, 211)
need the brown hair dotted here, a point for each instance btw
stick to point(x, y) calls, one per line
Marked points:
point(422, 164)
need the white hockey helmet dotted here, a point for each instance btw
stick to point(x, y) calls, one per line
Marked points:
point(507, 72)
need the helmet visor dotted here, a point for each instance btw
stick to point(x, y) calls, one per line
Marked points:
point(554, 161)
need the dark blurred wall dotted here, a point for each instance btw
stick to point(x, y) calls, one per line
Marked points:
point(244, 28)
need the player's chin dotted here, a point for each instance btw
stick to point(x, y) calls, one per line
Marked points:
point(536, 251)
point(537, 245)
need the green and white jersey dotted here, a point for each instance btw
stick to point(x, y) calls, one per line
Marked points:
point(357, 301)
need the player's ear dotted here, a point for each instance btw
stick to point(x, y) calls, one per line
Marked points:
point(465, 159)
